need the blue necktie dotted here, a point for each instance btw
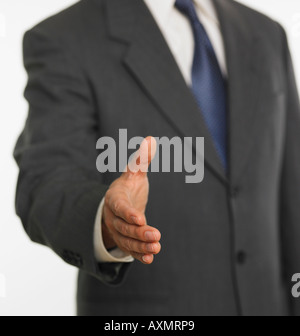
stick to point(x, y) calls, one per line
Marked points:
point(208, 84)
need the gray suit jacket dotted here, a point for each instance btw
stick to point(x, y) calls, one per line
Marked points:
point(231, 243)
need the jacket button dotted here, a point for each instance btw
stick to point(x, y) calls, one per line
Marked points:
point(241, 257)
point(72, 258)
point(234, 192)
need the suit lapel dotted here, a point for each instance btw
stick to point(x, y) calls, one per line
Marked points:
point(244, 65)
point(152, 64)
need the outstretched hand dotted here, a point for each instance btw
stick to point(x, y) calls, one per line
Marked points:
point(124, 221)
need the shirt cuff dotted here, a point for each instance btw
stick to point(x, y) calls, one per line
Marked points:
point(102, 255)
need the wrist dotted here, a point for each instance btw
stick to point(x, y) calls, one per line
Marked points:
point(108, 240)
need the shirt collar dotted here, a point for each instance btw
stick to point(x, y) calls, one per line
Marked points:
point(161, 9)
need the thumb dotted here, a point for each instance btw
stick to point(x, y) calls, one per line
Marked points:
point(139, 161)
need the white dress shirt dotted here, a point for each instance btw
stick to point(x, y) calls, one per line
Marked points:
point(178, 34)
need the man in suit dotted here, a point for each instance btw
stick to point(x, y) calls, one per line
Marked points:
point(212, 69)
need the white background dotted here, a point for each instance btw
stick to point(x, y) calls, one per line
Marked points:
point(33, 281)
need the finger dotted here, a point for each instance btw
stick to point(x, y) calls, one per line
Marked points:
point(122, 209)
point(146, 259)
point(141, 233)
point(141, 159)
point(133, 245)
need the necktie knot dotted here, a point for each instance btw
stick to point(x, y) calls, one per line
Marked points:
point(187, 8)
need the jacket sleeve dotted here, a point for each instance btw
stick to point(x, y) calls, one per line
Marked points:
point(59, 189)
point(290, 186)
